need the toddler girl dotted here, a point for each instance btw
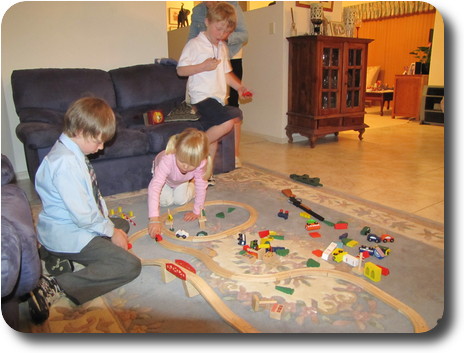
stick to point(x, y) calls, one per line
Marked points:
point(179, 173)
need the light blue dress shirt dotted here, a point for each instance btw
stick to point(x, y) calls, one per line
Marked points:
point(70, 218)
point(236, 40)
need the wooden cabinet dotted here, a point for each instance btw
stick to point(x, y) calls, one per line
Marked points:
point(408, 94)
point(326, 86)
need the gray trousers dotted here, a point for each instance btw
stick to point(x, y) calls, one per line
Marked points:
point(107, 267)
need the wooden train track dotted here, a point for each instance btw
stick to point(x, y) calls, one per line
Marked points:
point(247, 224)
point(241, 325)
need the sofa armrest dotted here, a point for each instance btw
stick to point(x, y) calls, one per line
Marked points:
point(37, 135)
point(8, 174)
point(17, 213)
point(40, 115)
point(11, 257)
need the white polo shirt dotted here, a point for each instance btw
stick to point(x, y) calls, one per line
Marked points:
point(206, 84)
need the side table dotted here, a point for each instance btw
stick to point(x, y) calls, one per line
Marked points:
point(380, 96)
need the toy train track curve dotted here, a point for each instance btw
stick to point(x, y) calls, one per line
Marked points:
point(241, 325)
point(248, 223)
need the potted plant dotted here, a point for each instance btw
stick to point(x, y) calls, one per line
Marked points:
point(422, 55)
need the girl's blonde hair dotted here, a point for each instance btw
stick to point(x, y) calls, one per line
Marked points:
point(192, 147)
point(92, 116)
point(223, 11)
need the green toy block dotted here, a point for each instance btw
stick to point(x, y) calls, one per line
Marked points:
point(220, 215)
point(285, 289)
point(282, 252)
point(280, 237)
point(312, 263)
point(230, 209)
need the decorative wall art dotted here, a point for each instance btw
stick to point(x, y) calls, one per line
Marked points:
point(326, 5)
point(173, 15)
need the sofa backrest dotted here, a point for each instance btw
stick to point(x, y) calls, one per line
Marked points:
point(55, 89)
point(144, 87)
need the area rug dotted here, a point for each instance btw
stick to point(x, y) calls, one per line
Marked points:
point(301, 303)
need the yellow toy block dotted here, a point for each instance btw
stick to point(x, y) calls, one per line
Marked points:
point(352, 243)
point(372, 271)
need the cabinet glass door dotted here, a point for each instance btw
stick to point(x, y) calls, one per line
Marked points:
point(331, 61)
point(354, 75)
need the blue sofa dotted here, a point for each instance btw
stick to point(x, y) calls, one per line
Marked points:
point(21, 266)
point(42, 96)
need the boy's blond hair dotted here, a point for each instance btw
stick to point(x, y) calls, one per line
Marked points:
point(92, 117)
point(223, 11)
point(192, 147)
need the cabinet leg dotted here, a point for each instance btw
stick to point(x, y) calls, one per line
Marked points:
point(312, 141)
point(289, 136)
point(361, 132)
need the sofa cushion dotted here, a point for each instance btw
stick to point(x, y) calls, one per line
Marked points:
point(56, 89)
point(158, 135)
point(126, 143)
point(146, 87)
point(133, 117)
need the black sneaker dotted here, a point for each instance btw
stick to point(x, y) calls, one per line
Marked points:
point(42, 297)
point(55, 265)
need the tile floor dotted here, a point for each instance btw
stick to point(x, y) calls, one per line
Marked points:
point(399, 163)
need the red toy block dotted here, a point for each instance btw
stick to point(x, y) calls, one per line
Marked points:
point(158, 237)
point(385, 271)
point(312, 226)
point(365, 254)
point(315, 235)
point(341, 225)
point(317, 252)
point(263, 233)
point(129, 246)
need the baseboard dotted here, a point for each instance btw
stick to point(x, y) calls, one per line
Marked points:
point(22, 175)
point(282, 141)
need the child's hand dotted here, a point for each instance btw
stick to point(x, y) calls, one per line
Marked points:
point(190, 216)
point(119, 238)
point(245, 93)
point(153, 229)
point(210, 64)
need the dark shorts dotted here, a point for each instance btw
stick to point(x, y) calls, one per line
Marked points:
point(214, 113)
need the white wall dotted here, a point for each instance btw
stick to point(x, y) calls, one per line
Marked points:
point(103, 35)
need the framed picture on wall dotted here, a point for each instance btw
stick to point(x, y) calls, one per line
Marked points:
point(337, 29)
point(173, 15)
point(326, 5)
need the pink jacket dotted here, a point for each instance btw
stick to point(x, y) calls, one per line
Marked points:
point(167, 172)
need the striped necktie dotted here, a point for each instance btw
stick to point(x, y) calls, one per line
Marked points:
point(96, 190)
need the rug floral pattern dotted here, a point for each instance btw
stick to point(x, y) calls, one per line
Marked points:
point(316, 305)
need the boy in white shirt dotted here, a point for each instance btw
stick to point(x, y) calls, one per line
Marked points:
point(205, 60)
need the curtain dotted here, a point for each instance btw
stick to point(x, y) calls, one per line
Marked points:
point(394, 38)
point(385, 9)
